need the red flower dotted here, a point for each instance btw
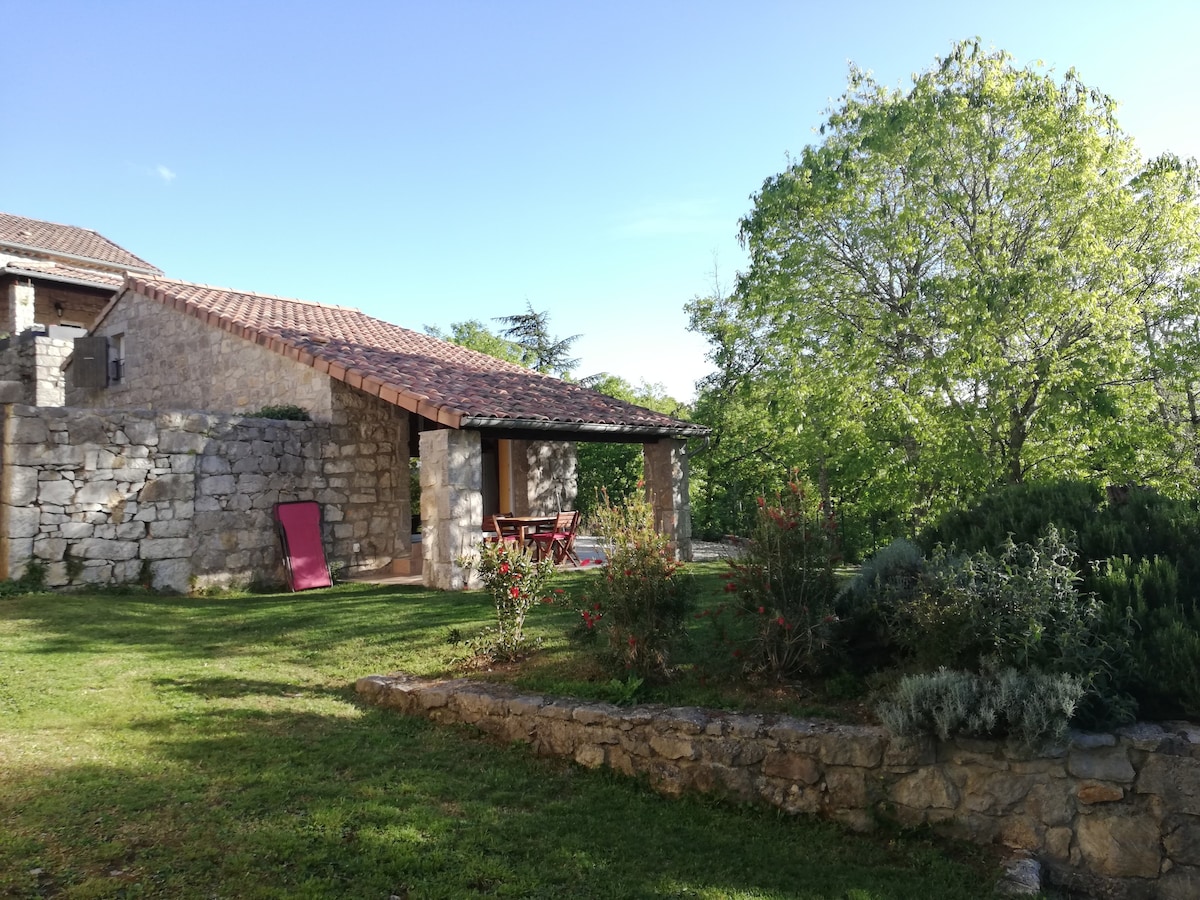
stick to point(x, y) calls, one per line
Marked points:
point(762, 610)
point(780, 621)
point(632, 641)
point(503, 568)
point(514, 591)
point(730, 587)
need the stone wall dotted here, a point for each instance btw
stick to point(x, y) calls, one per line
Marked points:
point(33, 363)
point(108, 496)
point(543, 477)
point(1113, 815)
point(175, 361)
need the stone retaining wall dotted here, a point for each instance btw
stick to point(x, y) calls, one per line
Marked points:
point(111, 496)
point(1113, 815)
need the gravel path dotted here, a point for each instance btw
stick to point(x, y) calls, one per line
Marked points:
point(590, 547)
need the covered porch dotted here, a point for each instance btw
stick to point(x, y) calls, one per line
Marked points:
point(470, 473)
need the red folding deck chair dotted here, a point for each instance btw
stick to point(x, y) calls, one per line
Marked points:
point(299, 526)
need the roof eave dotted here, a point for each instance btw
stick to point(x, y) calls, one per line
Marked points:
point(89, 260)
point(651, 431)
point(64, 279)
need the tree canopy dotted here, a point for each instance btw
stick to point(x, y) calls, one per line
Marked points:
point(970, 282)
point(542, 351)
point(474, 334)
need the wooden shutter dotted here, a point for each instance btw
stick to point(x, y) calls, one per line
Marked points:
point(89, 364)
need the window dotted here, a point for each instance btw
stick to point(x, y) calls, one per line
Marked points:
point(116, 358)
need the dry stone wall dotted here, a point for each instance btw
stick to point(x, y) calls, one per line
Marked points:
point(185, 499)
point(1110, 814)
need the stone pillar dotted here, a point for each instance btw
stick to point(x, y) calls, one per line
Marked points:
point(451, 505)
point(20, 316)
point(543, 477)
point(50, 382)
point(666, 469)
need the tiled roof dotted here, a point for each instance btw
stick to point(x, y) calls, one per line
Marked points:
point(61, 272)
point(438, 380)
point(67, 240)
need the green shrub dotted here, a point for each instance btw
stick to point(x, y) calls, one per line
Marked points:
point(640, 602)
point(515, 582)
point(1018, 512)
point(287, 411)
point(785, 583)
point(1021, 609)
point(1160, 667)
point(1032, 708)
point(870, 603)
point(1135, 522)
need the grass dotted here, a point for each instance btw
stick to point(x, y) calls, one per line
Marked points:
point(212, 747)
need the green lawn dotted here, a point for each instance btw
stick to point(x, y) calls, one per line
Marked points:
point(213, 747)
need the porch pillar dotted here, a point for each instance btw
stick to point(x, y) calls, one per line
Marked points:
point(19, 316)
point(666, 470)
point(451, 505)
point(543, 477)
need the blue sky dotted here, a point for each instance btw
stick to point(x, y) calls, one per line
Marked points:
point(430, 162)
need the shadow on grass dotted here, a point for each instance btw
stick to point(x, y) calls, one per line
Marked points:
point(305, 627)
point(287, 803)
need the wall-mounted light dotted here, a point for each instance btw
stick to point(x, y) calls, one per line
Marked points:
point(58, 310)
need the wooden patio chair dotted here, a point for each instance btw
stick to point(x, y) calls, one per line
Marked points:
point(507, 530)
point(559, 542)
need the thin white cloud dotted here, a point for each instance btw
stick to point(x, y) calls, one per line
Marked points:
point(164, 173)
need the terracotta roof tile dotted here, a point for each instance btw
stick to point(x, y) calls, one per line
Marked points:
point(72, 273)
point(441, 381)
point(22, 233)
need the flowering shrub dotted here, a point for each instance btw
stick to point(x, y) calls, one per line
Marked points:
point(785, 584)
point(639, 603)
point(515, 582)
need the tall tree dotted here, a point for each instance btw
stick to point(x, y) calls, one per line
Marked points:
point(474, 334)
point(543, 352)
point(969, 282)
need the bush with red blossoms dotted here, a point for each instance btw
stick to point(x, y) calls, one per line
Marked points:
point(516, 582)
point(638, 605)
point(785, 584)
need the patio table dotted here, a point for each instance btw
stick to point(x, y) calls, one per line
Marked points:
point(529, 524)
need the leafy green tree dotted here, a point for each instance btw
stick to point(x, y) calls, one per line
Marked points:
point(612, 468)
point(541, 351)
point(970, 282)
point(474, 334)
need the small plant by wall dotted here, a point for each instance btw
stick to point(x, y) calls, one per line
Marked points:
point(288, 412)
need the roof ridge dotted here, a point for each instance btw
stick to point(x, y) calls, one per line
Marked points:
point(244, 293)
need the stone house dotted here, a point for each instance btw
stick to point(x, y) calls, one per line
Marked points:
point(156, 467)
point(54, 281)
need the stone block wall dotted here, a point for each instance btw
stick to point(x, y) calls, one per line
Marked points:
point(174, 361)
point(1110, 814)
point(108, 496)
point(543, 477)
point(34, 363)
